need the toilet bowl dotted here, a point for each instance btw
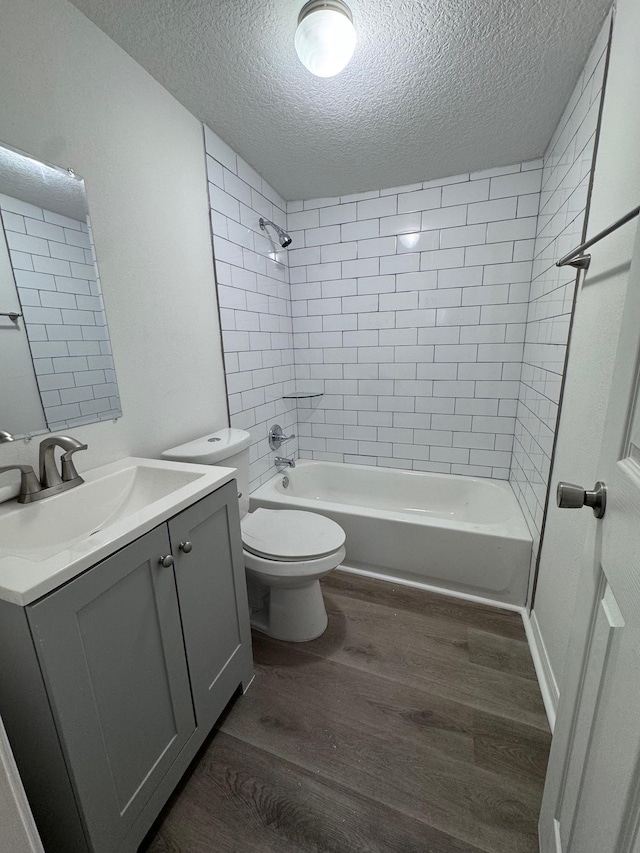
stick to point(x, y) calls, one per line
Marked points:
point(286, 552)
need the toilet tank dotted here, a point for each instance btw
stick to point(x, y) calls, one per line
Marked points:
point(228, 448)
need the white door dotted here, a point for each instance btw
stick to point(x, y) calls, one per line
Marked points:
point(591, 801)
point(18, 831)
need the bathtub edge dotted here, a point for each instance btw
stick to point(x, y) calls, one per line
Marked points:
point(440, 590)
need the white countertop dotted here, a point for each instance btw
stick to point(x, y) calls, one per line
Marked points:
point(47, 543)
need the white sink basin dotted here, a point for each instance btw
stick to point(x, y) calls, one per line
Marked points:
point(46, 543)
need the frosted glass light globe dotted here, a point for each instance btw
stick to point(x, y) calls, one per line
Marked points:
point(325, 38)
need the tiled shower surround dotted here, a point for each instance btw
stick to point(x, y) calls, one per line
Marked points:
point(254, 302)
point(410, 309)
point(563, 199)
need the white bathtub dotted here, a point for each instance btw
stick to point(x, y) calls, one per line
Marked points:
point(462, 534)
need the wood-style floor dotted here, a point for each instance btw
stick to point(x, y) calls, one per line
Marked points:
point(413, 725)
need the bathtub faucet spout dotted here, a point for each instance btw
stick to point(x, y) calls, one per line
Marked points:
point(282, 460)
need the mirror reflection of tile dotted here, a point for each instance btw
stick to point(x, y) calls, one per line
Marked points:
point(57, 281)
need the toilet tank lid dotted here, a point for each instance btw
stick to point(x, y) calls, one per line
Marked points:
point(212, 448)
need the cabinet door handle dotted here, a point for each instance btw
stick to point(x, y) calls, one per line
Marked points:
point(166, 562)
point(186, 547)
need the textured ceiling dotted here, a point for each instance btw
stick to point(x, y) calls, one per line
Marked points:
point(435, 87)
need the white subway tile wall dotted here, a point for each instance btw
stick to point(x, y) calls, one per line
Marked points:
point(409, 309)
point(55, 271)
point(563, 198)
point(255, 304)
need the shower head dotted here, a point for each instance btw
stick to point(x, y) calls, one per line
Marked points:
point(285, 239)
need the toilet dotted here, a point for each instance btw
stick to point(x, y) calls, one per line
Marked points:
point(286, 552)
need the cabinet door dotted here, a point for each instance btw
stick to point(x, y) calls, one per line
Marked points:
point(213, 600)
point(111, 651)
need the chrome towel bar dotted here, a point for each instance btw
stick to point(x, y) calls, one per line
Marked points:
point(12, 315)
point(576, 259)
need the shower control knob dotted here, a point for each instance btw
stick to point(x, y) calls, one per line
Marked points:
point(166, 562)
point(185, 547)
point(569, 496)
point(277, 437)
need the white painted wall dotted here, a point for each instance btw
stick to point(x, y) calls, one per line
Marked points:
point(72, 97)
point(616, 190)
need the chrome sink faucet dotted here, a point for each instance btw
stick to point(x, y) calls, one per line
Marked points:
point(50, 482)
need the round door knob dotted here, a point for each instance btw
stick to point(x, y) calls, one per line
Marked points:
point(166, 562)
point(569, 496)
point(186, 547)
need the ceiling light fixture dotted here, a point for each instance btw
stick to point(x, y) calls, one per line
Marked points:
point(325, 38)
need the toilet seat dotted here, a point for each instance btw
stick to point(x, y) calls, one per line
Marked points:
point(290, 536)
point(270, 570)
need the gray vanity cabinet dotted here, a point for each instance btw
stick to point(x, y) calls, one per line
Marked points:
point(137, 660)
point(213, 603)
point(112, 657)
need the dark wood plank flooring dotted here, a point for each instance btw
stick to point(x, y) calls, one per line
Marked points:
point(413, 725)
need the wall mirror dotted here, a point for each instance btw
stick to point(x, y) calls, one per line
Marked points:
point(57, 368)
